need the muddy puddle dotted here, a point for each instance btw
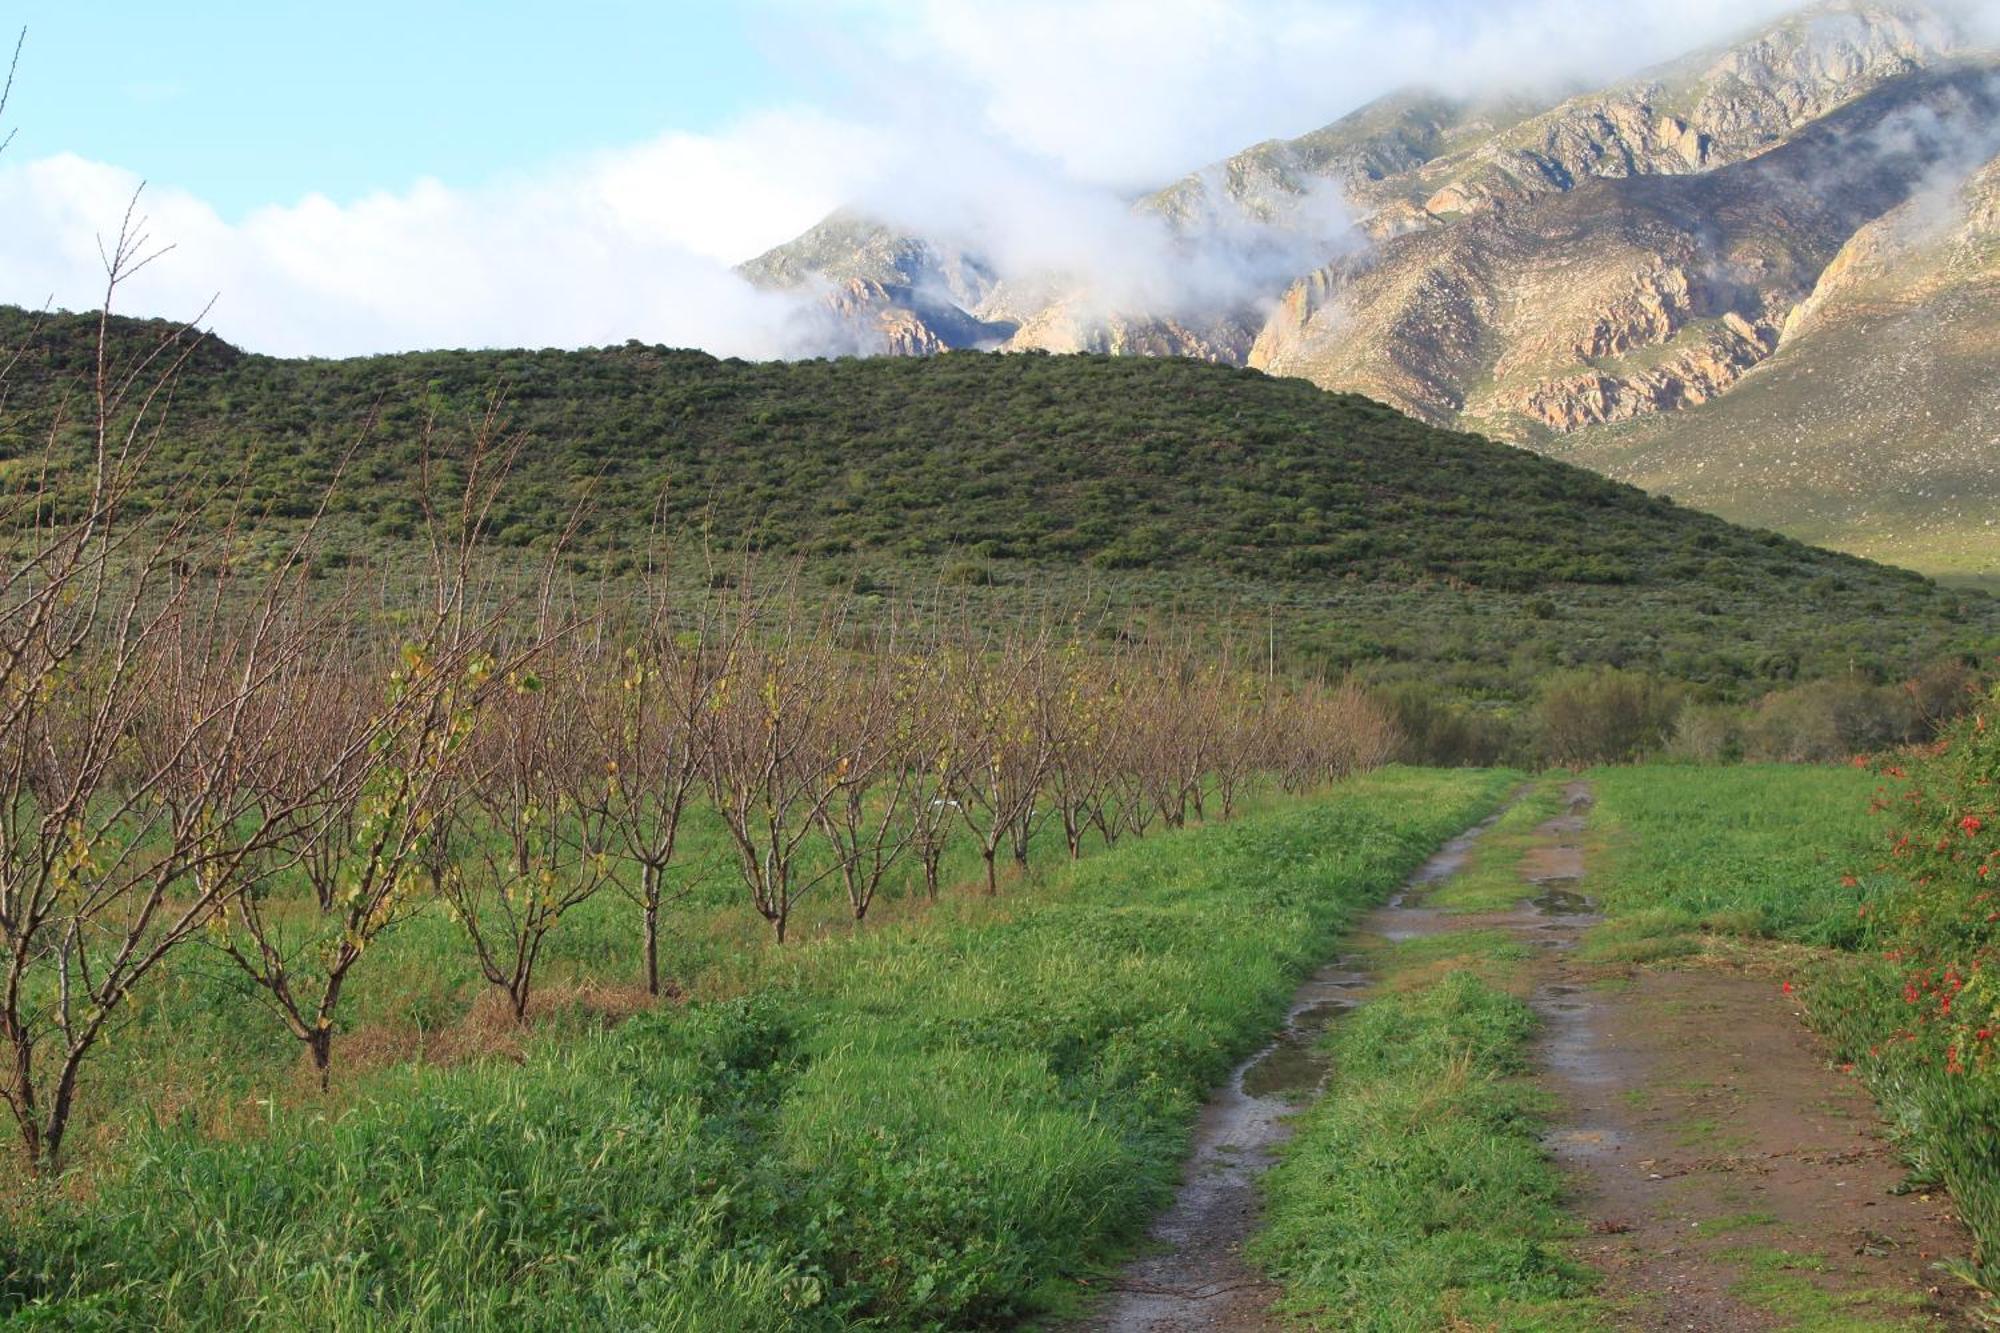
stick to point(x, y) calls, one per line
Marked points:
point(1196, 1277)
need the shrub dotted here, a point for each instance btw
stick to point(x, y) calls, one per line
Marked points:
point(1706, 734)
point(966, 574)
point(1829, 720)
point(1919, 1019)
point(1604, 716)
point(1440, 732)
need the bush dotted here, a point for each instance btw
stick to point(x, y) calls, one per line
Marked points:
point(1604, 716)
point(1919, 1019)
point(1706, 734)
point(966, 574)
point(1830, 720)
point(1440, 732)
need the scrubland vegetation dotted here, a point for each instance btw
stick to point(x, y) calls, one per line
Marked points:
point(1330, 532)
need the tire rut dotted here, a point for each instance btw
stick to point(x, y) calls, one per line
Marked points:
point(1729, 1177)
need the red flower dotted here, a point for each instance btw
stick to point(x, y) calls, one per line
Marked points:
point(1786, 988)
point(1971, 825)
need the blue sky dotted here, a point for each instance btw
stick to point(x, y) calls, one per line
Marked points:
point(358, 175)
point(252, 103)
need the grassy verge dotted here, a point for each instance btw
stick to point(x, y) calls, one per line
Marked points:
point(1416, 1194)
point(921, 1126)
point(1491, 880)
point(1752, 852)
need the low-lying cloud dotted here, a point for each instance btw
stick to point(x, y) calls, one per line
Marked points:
point(1021, 130)
point(634, 243)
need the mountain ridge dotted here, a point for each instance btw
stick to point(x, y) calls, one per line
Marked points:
point(1533, 268)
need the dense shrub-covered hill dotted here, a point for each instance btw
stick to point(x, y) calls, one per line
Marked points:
point(1361, 533)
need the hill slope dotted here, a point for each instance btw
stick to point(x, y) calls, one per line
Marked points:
point(1164, 488)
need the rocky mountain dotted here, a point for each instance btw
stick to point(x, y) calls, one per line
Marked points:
point(1875, 426)
point(1599, 275)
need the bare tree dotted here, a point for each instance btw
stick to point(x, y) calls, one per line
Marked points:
point(932, 755)
point(877, 735)
point(1004, 756)
point(130, 717)
point(531, 854)
point(643, 726)
point(767, 767)
point(384, 744)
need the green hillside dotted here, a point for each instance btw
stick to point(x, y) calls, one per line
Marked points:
point(1350, 532)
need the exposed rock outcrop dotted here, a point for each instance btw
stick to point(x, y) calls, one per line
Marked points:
point(1539, 268)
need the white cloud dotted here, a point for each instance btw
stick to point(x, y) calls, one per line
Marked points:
point(1130, 93)
point(628, 243)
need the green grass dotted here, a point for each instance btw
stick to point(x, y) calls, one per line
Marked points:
point(923, 1125)
point(1757, 851)
point(1417, 1192)
point(1721, 1226)
point(1491, 880)
point(1777, 1281)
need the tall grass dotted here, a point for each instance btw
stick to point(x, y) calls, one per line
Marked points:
point(921, 1126)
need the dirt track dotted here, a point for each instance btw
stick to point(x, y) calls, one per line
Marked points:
point(1729, 1178)
point(1194, 1277)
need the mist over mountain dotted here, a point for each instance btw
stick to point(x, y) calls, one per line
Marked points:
point(1594, 271)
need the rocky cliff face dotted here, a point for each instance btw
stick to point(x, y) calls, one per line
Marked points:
point(1875, 424)
point(888, 293)
point(1536, 269)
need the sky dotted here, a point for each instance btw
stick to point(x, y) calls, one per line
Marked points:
point(367, 176)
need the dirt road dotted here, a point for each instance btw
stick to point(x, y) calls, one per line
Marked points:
point(1726, 1177)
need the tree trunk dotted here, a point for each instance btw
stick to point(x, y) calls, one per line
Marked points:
point(21, 1100)
point(320, 1043)
point(57, 1126)
point(650, 891)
